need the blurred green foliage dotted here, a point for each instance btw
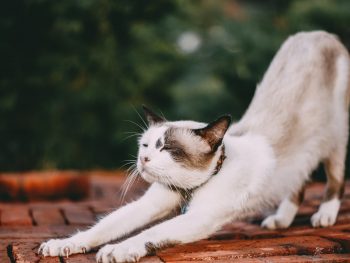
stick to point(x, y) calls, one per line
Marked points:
point(74, 72)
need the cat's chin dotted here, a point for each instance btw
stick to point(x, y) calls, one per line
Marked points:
point(149, 178)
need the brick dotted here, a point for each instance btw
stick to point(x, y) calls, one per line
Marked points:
point(150, 259)
point(314, 191)
point(44, 185)
point(25, 252)
point(335, 258)
point(224, 250)
point(80, 258)
point(342, 238)
point(246, 231)
point(49, 216)
point(43, 232)
point(3, 252)
point(79, 216)
point(15, 216)
point(9, 187)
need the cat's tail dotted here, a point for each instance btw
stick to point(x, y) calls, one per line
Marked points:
point(342, 83)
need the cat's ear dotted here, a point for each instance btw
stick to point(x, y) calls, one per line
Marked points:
point(214, 132)
point(151, 117)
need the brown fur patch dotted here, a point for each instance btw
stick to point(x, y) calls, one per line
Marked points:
point(334, 189)
point(335, 184)
point(152, 248)
point(190, 156)
point(298, 198)
point(330, 55)
point(347, 99)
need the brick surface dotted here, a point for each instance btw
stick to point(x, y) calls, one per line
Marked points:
point(322, 258)
point(78, 216)
point(239, 241)
point(48, 216)
point(3, 252)
point(213, 250)
point(15, 216)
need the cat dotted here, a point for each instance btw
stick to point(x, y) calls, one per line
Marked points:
point(220, 172)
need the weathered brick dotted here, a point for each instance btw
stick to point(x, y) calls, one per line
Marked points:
point(3, 252)
point(227, 250)
point(322, 258)
point(25, 252)
point(16, 216)
point(341, 237)
point(78, 216)
point(80, 258)
point(150, 259)
point(49, 216)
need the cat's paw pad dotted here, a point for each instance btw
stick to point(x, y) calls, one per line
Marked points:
point(275, 222)
point(121, 253)
point(61, 247)
point(323, 219)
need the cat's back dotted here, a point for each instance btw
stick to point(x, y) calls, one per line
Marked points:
point(307, 63)
point(305, 86)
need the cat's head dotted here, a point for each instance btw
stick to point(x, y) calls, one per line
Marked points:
point(183, 154)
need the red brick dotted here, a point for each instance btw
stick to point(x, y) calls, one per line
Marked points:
point(3, 252)
point(314, 191)
point(43, 232)
point(78, 216)
point(49, 216)
point(80, 258)
point(150, 259)
point(25, 252)
point(227, 250)
point(44, 185)
point(15, 216)
point(341, 237)
point(335, 258)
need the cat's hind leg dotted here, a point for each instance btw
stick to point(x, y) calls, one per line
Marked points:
point(286, 212)
point(328, 210)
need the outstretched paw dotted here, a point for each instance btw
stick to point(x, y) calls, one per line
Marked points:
point(61, 247)
point(123, 252)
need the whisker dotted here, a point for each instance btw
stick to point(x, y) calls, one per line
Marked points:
point(144, 122)
point(138, 125)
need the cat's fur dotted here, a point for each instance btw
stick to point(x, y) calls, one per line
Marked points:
point(297, 119)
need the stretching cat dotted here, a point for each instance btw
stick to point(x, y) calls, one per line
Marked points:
point(297, 119)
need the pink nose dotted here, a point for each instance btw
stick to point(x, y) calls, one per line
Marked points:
point(144, 160)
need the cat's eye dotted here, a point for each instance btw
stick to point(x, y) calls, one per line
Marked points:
point(165, 147)
point(145, 145)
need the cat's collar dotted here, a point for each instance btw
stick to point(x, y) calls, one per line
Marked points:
point(187, 194)
point(220, 161)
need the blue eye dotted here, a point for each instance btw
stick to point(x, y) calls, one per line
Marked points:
point(145, 145)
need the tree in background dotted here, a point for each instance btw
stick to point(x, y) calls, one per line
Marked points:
point(73, 72)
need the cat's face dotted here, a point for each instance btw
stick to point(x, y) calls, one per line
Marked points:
point(182, 154)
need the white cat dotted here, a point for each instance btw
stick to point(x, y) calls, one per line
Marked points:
point(297, 119)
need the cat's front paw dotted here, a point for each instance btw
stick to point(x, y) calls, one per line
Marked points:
point(323, 219)
point(123, 252)
point(62, 247)
point(273, 222)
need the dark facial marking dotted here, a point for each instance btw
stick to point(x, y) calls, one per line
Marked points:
point(181, 153)
point(159, 144)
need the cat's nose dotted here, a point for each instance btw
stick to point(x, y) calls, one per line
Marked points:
point(144, 160)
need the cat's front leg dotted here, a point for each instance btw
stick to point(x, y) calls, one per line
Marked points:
point(157, 202)
point(186, 228)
